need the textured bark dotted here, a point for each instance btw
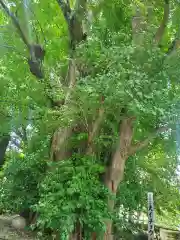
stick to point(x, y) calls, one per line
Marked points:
point(162, 27)
point(74, 19)
point(59, 146)
point(115, 172)
point(124, 149)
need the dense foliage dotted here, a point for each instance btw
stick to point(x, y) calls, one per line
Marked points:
point(119, 75)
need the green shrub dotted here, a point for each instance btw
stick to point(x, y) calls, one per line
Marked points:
point(71, 192)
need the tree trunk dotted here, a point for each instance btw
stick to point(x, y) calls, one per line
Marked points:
point(60, 141)
point(77, 235)
point(115, 172)
point(3, 146)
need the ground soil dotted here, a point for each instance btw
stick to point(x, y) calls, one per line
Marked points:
point(7, 232)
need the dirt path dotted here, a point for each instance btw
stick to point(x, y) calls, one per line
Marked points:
point(9, 233)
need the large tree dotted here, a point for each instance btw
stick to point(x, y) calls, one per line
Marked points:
point(101, 88)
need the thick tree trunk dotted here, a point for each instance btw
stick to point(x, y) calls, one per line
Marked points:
point(60, 147)
point(115, 172)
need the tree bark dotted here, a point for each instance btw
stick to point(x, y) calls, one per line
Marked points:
point(125, 148)
point(115, 172)
point(160, 32)
point(77, 235)
point(95, 128)
point(59, 147)
point(3, 147)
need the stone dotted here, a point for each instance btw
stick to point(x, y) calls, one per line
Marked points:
point(18, 223)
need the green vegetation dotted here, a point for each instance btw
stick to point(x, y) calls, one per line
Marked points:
point(91, 89)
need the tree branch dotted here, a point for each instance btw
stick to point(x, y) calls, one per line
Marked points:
point(160, 32)
point(115, 172)
point(16, 23)
point(74, 20)
point(60, 137)
point(142, 144)
point(71, 76)
point(80, 7)
point(41, 29)
point(95, 128)
point(36, 51)
point(66, 10)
